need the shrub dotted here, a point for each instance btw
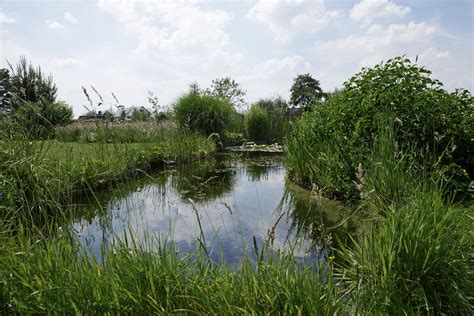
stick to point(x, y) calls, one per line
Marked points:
point(257, 124)
point(233, 139)
point(39, 121)
point(203, 113)
point(327, 145)
point(277, 111)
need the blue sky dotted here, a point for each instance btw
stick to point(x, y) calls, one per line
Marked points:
point(131, 47)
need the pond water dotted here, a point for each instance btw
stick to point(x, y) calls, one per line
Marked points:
point(237, 200)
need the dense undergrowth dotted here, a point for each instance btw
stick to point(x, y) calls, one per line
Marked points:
point(327, 145)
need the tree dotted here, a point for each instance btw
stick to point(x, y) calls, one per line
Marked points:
point(305, 91)
point(29, 84)
point(228, 89)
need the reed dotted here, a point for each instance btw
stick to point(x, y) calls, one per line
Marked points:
point(50, 275)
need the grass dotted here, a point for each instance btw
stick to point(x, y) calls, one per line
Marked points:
point(415, 258)
point(40, 178)
point(418, 259)
point(114, 132)
point(48, 276)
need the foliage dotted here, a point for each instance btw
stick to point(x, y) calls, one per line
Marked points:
point(305, 91)
point(418, 257)
point(257, 124)
point(39, 121)
point(39, 178)
point(327, 145)
point(140, 114)
point(203, 113)
point(228, 89)
point(29, 84)
point(159, 110)
point(58, 113)
point(132, 280)
point(233, 138)
point(277, 111)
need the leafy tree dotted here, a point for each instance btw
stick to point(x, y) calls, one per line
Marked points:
point(436, 124)
point(305, 91)
point(228, 89)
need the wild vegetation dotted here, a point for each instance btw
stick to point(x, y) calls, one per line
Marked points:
point(267, 121)
point(433, 126)
point(392, 142)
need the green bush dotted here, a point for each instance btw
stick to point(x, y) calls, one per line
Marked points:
point(233, 139)
point(257, 125)
point(277, 111)
point(203, 113)
point(327, 145)
point(39, 120)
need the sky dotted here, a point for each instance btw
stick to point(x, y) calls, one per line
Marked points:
point(129, 47)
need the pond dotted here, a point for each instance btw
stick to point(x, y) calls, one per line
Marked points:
point(228, 202)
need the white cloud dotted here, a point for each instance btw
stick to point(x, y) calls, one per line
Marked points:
point(368, 10)
point(273, 76)
point(377, 44)
point(277, 66)
point(286, 18)
point(6, 19)
point(432, 54)
point(64, 62)
point(54, 25)
point(70, 18)
point(170, 25)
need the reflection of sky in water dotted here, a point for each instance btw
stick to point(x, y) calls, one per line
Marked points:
point(229, 221)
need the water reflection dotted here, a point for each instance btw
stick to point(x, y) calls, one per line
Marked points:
point(204, 181)
point(235, 200)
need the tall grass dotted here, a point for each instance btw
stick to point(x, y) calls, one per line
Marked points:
point(48, 276)
point(416, 260)
point(316, 156)
point(114, 132)
point(417, 255)
point(39, 179)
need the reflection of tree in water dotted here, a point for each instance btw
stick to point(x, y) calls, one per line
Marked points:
point(258, 168)
point(203, 181)
point(322, 220)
